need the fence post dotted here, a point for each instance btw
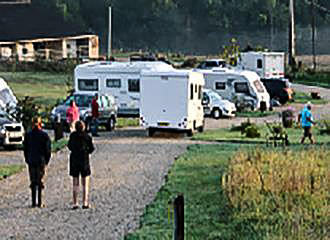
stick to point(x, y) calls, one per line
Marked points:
point(179, 218)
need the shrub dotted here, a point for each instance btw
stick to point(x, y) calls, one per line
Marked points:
point(288, 118)
point(325, 127)
point(285, 194)
point(252, 131)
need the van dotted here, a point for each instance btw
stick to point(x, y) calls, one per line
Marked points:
point(172, 101)
point(243, 88)
point(120, 79)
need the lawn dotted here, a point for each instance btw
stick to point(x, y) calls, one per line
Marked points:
point(45, 87)
point(321, 79)
point(255, 114)
point(301, 97)
point(8, 170)
point(230, 136)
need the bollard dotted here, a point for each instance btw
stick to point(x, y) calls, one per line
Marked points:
point(179, 218)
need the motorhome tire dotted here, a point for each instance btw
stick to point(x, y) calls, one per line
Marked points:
point(200, 129)
point(190, 133)
point(216, 113)
point(151, 132)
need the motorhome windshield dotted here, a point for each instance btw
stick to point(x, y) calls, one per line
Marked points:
point(259, 86)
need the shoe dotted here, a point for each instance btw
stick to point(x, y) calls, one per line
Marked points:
point(86, 206)
point(42, 205)
point(75, 207)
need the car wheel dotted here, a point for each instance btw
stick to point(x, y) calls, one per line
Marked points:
point(190, 133)
point(151, 132)
point(216, 113)
point(111, 124)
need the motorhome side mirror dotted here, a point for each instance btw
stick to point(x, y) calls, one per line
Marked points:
point(205, 101)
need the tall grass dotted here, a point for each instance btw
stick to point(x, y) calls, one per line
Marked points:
point(284, 193)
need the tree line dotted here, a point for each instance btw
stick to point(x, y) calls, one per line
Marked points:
point(171, 25)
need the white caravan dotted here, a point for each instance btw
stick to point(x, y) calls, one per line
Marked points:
point(243, 88)
point(172, 101)
point(120, 79)
point(266, 64)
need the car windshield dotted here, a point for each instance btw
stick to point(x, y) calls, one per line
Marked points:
point(259, 86)
point(5, 115)
point(215, 95)
point(81, 100)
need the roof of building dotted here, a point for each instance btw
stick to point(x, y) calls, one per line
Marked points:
point(27, 22)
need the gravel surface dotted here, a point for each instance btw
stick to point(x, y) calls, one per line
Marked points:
point(128, 170)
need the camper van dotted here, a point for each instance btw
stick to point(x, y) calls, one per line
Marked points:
point(172, 101)
point(243, 88)
point(120, 79)
point(266, 64)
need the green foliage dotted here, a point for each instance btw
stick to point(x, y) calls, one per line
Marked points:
point(59, 145)
point(285, 194)
point(325, 127)
point(231, 53)
point(127, 122)
point(321, 79)
point(301, 97)
point(252, 131)
point(255, 114)
point(8, 170)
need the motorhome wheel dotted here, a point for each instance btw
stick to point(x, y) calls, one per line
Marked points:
point(151, 132)
point(216, 113)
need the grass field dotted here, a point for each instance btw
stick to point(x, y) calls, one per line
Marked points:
point(8, 170)
point(301, 97)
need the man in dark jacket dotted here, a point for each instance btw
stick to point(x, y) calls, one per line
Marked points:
point(95, 116)
point(37, 153)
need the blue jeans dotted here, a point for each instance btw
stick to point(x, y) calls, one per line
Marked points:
point(94, 126)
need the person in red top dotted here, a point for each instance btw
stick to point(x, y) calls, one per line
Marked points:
point(95, 116)
point(72, 115)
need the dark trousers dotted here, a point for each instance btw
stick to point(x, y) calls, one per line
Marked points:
point(36, 174)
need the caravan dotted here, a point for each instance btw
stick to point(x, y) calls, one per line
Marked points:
point(120, 79)
point(172, 101)
point(244, 88)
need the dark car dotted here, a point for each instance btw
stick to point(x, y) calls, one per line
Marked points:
point(107, 109)
point(279, 89)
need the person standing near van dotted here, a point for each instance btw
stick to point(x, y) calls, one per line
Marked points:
point(72, 115)
point(37, 153)
point(95, 116)
point(81, 146)
point(307, 121)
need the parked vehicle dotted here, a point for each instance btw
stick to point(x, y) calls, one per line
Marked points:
point(214, 105)
point(172, 101)
point(268, 65)
point(279, 89)
point(7, 97)
point(120, 79)
point(11, 132)
point(243, 88)
point(107, 109)
point(212, 63)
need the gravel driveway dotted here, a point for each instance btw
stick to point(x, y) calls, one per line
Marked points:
point(128, 171)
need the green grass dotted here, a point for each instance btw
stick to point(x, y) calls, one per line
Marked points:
point(60, 144)
point(301, 97)
point(255, 114)
point(8, 170)
point(226, 135)
point(45, 87)
point(127, 122)
point(197, 176)
point(317, 79)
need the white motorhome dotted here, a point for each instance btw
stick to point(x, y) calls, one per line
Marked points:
point(266, 64)
point(240, 87)
point(172, 101)
point(120, 79)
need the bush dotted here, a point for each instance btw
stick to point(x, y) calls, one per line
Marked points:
point(288, 118)
point(285, 194)
point(252, 131)
point(325, 127)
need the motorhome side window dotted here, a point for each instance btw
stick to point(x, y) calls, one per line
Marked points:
point(88, 84)
point(134, 85)
point(241, 87)
point(220, 86)
point(259, 63)
point(259, 86)
point(199, 92)
point(191, 91)
point(113, 83)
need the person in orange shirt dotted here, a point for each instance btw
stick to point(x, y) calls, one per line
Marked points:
point(72, 115)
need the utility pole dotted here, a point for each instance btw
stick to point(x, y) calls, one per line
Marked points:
point(110, 33)
point(313, 34)
point(292, 36)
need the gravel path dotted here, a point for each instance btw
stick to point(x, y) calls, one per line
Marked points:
point(128, 170)
point(127, 174)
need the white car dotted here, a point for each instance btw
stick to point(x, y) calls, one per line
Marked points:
point(11, 132)
point(214, 105)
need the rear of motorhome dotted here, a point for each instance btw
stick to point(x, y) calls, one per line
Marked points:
point(120, 79)
point(240, 87)
point(266, 64)
point(172, 101)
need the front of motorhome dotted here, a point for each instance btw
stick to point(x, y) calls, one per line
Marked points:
point(120, 79)
point(172, 101)
point(240, 87)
